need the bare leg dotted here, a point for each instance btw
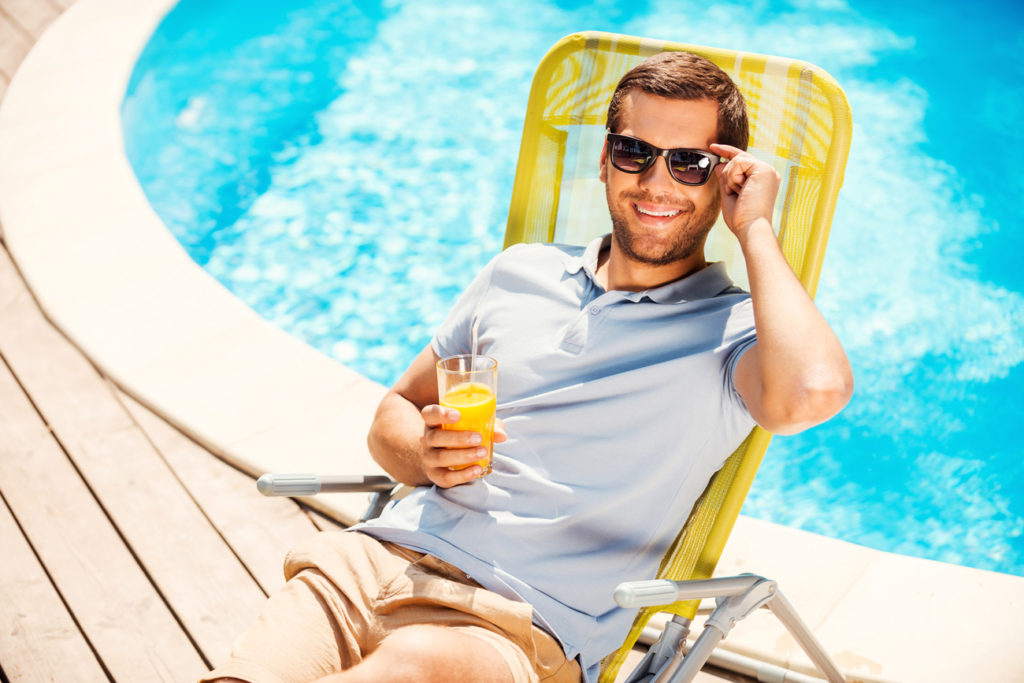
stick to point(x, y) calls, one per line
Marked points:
point(428, 654)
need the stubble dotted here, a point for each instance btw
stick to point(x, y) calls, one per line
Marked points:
point(643, 244)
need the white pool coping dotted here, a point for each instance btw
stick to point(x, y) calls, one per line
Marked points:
point(108, 273)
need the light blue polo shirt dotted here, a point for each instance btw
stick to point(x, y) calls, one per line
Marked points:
point(619, 407)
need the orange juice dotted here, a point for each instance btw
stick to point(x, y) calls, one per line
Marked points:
point(475, 403)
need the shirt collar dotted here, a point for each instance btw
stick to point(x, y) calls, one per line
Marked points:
point(704, 284)
point(587, 261)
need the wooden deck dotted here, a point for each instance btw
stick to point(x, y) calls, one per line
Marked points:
point(21, 24)
point(129, 552)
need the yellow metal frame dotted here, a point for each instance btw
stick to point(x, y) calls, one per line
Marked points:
point(816, 144)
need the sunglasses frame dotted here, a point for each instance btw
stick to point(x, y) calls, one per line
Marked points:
point(664, 153)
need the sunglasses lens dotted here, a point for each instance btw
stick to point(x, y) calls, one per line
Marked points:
point(691, 168)
point(631, 156)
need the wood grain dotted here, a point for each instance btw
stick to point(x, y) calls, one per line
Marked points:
point(120, 611)
point(40, 640)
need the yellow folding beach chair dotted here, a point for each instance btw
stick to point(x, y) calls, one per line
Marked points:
point(799, 122)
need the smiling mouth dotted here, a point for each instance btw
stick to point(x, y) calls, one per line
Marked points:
point(657, 214)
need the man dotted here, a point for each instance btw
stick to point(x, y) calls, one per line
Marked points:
point(629, 370)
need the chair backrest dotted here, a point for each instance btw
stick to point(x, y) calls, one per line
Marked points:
point(799, 122)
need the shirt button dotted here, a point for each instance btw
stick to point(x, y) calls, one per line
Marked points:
point(594, 310)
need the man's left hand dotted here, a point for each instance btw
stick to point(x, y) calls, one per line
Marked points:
point(749, 187)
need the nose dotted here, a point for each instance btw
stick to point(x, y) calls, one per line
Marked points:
point(657, 176)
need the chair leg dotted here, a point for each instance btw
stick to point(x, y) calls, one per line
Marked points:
point(785, 612)
point(665, 654)
point(736, 598)
point(690, 664)
point(378, 502)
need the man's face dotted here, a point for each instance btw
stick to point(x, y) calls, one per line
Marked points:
point(655, 219)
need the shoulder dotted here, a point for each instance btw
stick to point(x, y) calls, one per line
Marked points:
point(738, 308)
point(525, 250)
point(535, 256)
point(742, 312)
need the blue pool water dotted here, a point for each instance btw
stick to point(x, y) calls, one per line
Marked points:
point(344, 167)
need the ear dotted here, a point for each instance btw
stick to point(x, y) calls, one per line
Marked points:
point(604, 163)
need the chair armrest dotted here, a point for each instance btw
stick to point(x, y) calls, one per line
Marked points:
point(301, 484)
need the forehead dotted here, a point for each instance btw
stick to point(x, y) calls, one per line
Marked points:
point(668, 122)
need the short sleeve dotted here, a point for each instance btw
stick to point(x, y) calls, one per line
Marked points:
point(455, 335)
point(741, 337)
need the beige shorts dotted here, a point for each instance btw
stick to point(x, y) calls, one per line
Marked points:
point(347, 591)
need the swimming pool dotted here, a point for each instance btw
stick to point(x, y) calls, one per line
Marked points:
point(328, 160)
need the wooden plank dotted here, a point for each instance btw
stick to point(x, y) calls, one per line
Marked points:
point(40, 640)
point(61, 4)
point(31, 15)
point(194, 570)
point(14, 45)
point(323, 522)
point(119, 610)
point(259, 529)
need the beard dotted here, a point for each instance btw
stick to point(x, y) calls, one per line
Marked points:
point(641, 244)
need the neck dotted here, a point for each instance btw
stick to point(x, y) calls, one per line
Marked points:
point(618, 272)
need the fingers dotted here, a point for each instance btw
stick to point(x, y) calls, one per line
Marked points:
point(446, 478)
point(727, 151)
point(435, 415)
point(450, 457)
point(749, 188)
point(500, 435)
point(729, 181)
point(739, 166)
point(448, 448)
point(737, 160)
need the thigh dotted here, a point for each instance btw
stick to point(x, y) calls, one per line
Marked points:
point(322, 621)
point(347, 592)
point(436, 654)
point(296, 637)
point(434, 592)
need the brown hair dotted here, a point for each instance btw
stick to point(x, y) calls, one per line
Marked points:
point(686, 76)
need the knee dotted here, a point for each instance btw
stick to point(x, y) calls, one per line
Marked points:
point(420, 648)
point(430, 654)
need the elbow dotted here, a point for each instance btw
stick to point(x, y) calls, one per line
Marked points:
point(377, 442)
point(382, 453)
point(393, 444)
point(373, 446)
point(817, 398)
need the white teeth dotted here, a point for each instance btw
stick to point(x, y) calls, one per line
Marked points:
point(660, 214)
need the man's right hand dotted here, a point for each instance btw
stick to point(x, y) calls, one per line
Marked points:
point(450, 457)
point(406, 438)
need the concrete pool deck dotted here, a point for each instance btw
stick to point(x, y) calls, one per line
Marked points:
point(110, 276)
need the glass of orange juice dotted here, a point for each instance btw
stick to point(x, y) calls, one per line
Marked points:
point(469, 384)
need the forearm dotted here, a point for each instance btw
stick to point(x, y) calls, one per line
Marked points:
point(395, 440)
point(802, 373)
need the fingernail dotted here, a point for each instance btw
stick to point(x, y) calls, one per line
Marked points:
point(474, 439)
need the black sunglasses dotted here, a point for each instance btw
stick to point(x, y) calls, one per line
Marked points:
point(686, 166)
